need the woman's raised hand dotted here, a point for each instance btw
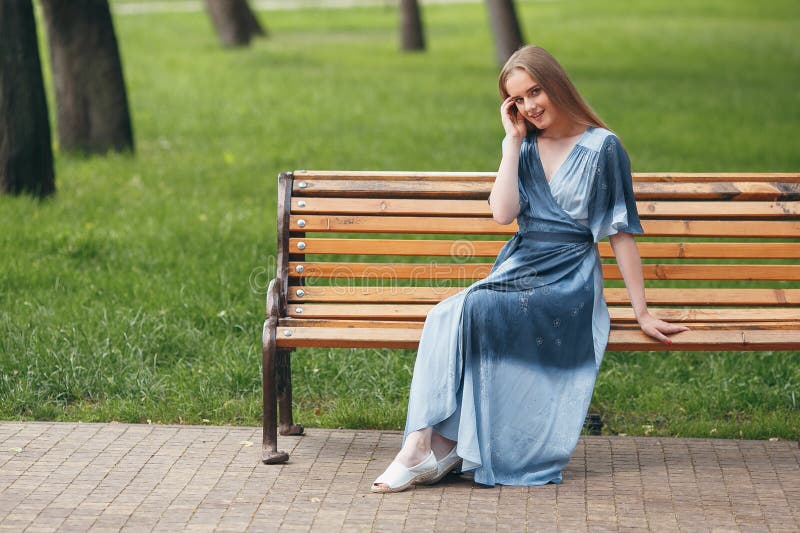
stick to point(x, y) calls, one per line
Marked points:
point(513, 121)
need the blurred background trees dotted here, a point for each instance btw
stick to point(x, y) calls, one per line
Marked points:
point(26, 159)
point(234, 21)
point(505, 28)
point(412, 35)
point(92, 112)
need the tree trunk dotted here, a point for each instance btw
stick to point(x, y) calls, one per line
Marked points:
point(26, 158)
point(91, 100)
point(505, 28)
point(234, 21)
point(255, 26)
point(411, 33)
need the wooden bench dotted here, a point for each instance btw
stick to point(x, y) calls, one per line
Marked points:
point(363, 256)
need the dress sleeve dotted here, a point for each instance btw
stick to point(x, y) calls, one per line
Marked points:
point(612, 207)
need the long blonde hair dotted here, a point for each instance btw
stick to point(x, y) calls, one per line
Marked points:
point(543, 67)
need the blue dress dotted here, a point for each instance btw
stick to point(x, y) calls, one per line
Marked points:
point(507, 366)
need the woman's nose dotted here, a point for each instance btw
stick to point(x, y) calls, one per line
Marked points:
point(530, 105)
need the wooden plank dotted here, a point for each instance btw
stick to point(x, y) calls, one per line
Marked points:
point(289, 323)
point(716, 210)
point(683, 177)
point(475, 208)
point(347, 311)
point(727, 191)
point(400, 247)
point(387, 272)
point(378, 188)
point(465, 248)
point(479, 189)
point(708, 297)
point(419, 312)
point(391, 206)
point(741, 338)
point(487, 226)
point(390, 224)
point(654, 296)
point(779, 316)
point(392, 175)
point(342, 323)
point(489, 176)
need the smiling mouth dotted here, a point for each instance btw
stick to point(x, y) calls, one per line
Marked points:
point(537, 116)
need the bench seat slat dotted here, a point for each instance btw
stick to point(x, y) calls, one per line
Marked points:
point(472, 271)
point(438, 207)
point(487, 226)
point(288, 323)
point(742, 338)
point(419, 311)
point(472, 248)
point(654, 296)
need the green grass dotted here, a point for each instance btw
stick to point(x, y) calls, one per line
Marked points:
point(136, 293)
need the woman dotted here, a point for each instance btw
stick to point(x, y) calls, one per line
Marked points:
point(506, 368)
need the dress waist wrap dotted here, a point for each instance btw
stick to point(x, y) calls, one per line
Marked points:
point(552, 236)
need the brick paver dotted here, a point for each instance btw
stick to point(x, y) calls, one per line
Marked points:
point(111, 477)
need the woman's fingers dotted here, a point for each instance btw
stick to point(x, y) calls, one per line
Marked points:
point(659, 330)
point(656, 334)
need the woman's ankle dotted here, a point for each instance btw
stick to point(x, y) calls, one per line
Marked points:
point(415, 449)
point(441, 445)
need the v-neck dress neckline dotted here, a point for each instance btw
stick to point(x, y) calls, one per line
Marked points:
point(557, 172)
point(548, 190)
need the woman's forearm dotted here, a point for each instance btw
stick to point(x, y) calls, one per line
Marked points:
point(630, 264)
point(504, 198)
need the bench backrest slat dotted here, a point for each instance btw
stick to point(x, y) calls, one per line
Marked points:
point(464, 249)
point(471, 271)
point(486, 226)
point(480, 208)
point(655, 296)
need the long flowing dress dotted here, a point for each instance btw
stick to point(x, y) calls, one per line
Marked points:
point(507, 366)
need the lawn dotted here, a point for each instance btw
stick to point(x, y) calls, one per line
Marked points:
point(136, 293)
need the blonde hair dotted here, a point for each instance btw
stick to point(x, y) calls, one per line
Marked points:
point(543, 67)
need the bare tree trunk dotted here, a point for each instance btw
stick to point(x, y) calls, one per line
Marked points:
point(26, 158)
point(505, 28)
point(234, 21)
point(91, 100)
point(255, 26)
point(411, 33)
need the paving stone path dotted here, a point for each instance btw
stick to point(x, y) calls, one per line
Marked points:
point(111, 477)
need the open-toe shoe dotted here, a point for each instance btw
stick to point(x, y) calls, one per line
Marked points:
point(450, 462)
point(397, 477)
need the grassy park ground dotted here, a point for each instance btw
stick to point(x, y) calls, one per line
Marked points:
point(136, 293)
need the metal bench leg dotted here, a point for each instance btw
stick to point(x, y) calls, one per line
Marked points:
point(283, 368)
point(269, 446)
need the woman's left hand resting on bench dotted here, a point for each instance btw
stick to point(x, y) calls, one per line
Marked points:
point(630, 264)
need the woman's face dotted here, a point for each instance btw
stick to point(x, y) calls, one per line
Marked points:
point(531, 100)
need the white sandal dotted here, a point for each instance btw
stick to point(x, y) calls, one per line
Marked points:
point(397, 477)
point(450, 462)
